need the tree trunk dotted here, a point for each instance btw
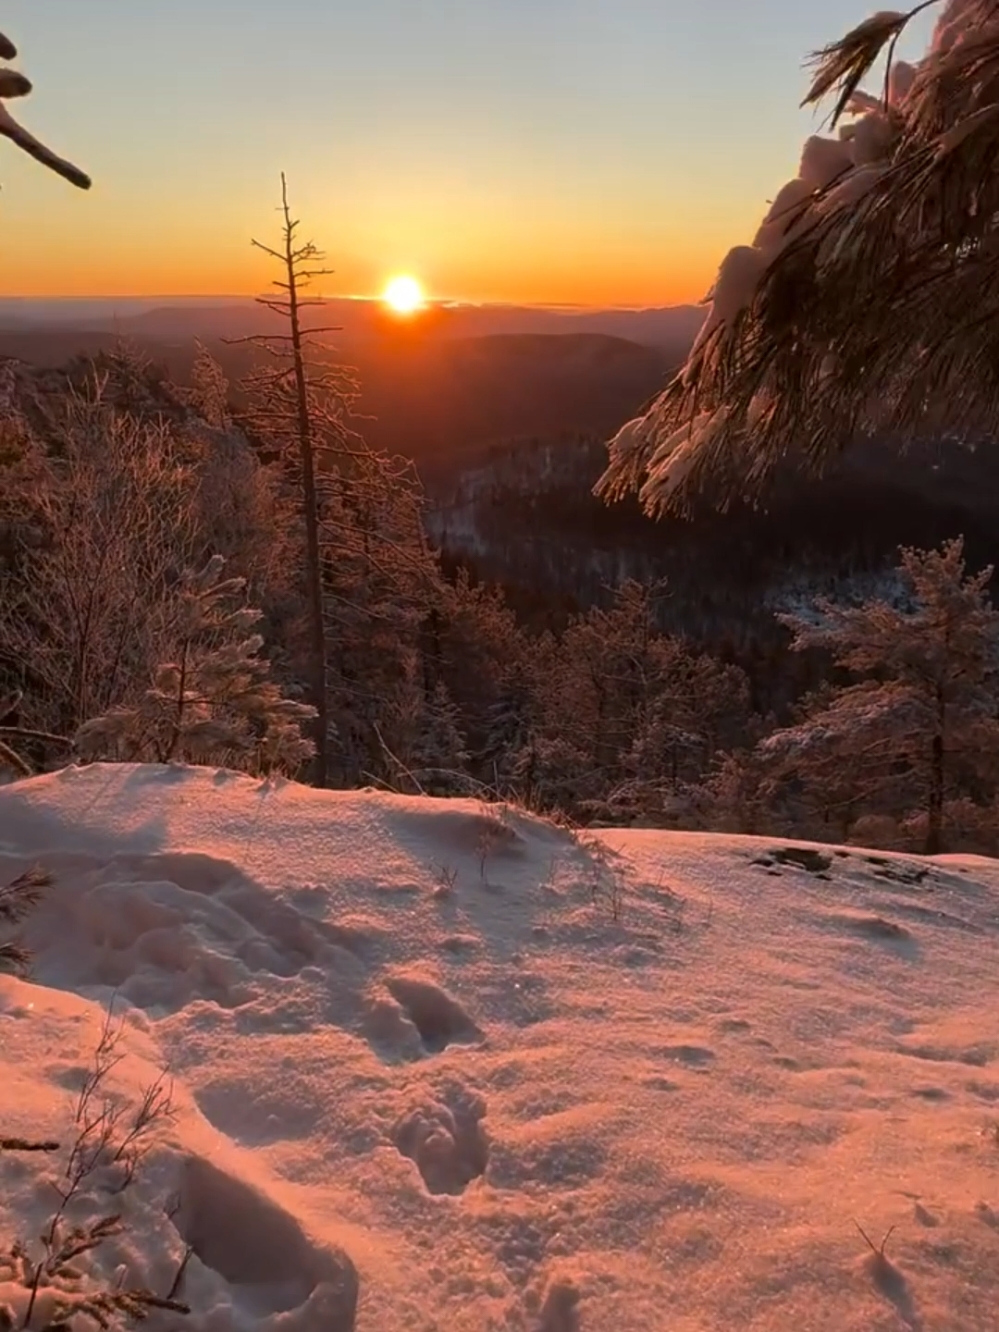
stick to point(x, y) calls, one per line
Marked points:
point(935, 802)
point(314, 572)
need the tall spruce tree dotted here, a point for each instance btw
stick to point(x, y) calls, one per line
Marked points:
point(920, 726)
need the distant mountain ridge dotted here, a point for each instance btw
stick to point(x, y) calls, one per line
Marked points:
point(672, 328)
point(434, 399)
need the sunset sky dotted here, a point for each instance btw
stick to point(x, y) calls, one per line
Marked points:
point(583, 151)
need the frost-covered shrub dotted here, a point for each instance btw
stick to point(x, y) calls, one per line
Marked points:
point(213, 701)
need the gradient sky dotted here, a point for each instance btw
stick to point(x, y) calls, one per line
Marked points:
point(583, 151)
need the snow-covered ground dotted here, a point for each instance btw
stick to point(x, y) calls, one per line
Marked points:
point(488, 1074)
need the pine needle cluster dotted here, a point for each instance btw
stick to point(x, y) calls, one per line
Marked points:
point(867, 305)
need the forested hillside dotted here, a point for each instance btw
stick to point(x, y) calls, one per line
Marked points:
point(153, 607)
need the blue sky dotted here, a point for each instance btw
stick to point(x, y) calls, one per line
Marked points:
point(597, 150)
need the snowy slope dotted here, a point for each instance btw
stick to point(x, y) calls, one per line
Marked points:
point(493, 1105)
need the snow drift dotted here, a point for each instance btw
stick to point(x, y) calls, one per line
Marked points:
point(444, 1067)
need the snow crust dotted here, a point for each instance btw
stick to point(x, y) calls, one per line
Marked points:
point(447, 1069)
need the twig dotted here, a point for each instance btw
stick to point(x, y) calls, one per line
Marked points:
point(156, 1105)
point(14, 761)
point(28, 734)
point(879, 1252)
point(105, 1059)
point(19, 896)
point(398, 762)
point(17, 899)
point(179, 1274)
point(447, 877)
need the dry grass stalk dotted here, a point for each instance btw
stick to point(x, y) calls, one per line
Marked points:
point(877, 1249)
point(446, 877)
point(106, 1153)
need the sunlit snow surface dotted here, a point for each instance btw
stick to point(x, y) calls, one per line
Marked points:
point(494, 1105)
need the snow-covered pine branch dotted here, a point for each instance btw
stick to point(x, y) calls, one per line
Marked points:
point(14, 84)
point(866, 302)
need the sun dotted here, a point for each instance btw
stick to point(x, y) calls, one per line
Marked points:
point(404, 294)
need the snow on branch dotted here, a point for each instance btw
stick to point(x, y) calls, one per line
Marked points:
point(868, 300)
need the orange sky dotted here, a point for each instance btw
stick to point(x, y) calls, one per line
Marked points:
point(469, 144)
point(481, 254)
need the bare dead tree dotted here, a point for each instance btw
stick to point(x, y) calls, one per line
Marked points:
point(295, 400)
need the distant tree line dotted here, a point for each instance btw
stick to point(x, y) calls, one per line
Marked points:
point(153, 607)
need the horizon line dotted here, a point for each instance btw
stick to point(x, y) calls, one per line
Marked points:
point(249, 298)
